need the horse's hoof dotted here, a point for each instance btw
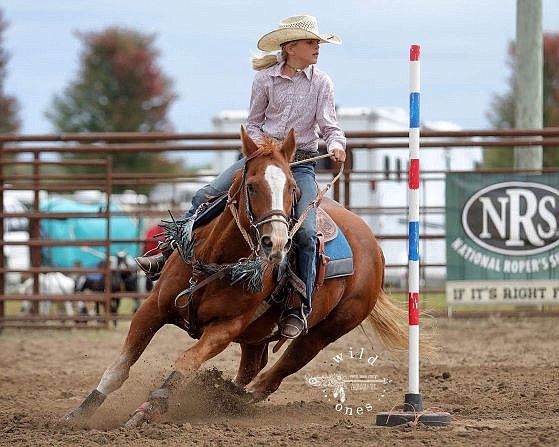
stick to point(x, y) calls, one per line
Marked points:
point(144, 413)
point(86, 409)
point(70, 418)
point(76, 416)
point(136, 420)
point(257, 396)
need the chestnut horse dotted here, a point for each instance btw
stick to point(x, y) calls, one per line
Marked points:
point(261, 196)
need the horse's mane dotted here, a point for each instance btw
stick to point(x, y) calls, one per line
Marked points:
point(268, 146)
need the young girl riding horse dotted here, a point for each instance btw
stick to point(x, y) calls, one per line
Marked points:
point(288, 92)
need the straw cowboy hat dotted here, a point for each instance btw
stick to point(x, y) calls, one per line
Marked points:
point(295, 28)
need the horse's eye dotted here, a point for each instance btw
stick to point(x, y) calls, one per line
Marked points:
point(250, 188)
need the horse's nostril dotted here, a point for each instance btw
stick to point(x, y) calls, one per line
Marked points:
point(266, 242)
point(275, 258)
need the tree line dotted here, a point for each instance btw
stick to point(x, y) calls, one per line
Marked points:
point(120, 87)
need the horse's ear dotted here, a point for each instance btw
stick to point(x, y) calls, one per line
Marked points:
point(288, 146)
point(249, 146)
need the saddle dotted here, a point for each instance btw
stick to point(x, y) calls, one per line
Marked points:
point(335, 257)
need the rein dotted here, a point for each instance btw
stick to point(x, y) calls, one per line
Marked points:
point(308, 160)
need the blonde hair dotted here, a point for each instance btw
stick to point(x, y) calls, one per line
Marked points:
point(267, 60)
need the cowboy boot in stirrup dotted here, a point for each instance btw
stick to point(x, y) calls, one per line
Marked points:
point(294, 323)
point(152, 265)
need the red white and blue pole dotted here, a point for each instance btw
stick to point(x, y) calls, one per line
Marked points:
point(413, 404)
point(413, 223)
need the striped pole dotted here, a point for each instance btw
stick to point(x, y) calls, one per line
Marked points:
point(413, 225)
point(413, 404)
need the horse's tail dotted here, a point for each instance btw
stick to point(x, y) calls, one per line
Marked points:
point(390, 322)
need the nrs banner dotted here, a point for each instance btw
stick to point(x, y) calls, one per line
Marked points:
point(502, 238)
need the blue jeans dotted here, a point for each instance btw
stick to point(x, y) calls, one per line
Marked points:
point(305, 238)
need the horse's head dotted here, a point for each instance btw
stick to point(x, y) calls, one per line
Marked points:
point(268, 194)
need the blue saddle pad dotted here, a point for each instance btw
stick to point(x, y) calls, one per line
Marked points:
point(341, 257)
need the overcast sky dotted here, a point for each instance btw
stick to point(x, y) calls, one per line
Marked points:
point(205, 48)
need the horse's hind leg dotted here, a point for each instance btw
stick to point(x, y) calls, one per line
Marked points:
point(303, 349)
point(253, 360)
point(144, 325)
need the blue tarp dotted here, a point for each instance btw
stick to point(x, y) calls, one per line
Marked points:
point(122, 227)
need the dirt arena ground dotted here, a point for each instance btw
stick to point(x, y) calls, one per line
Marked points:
point(497, 377)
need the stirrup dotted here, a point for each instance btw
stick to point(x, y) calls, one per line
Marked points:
point(153, 270)
point(297, 315)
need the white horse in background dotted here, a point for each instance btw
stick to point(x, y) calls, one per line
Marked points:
point(52, 283)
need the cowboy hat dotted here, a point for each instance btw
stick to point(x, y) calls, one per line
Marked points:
point(295, 28)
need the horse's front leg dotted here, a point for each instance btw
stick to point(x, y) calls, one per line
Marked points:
point(215, 338)
point(146, 322)
point(253, 360)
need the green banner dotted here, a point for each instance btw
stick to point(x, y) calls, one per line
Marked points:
point(502, 226)
point(502, 238)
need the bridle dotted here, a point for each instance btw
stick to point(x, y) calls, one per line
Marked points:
point(275, 215)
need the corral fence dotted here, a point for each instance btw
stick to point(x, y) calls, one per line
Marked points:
point(39, 157)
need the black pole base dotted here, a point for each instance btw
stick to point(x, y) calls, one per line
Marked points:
point(413, 402)
point(412, 412)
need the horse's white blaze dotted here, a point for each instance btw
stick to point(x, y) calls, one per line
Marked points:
point(115, 375)
point(276, 181)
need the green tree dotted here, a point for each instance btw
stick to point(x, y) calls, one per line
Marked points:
point(9, 121)
point(501, 114)
point(119, 88)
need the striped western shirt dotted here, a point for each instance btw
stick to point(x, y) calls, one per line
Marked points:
point(304, 103)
